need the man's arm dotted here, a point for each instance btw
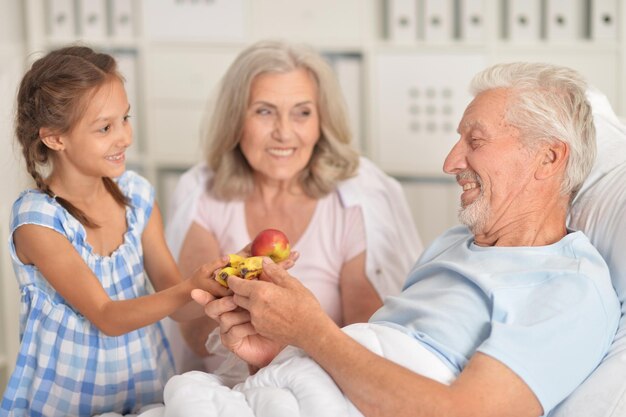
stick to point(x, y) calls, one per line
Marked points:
point(286, 312)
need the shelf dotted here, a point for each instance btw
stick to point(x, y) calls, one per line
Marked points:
point(102, 44)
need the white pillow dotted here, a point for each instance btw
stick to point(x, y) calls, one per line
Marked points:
point(600, 211)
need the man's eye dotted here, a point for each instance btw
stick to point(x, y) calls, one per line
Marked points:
point(475, 142)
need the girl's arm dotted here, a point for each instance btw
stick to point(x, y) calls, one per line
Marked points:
point(69, 275)
point(359, 299)
point(199, 245)
point(164, 273)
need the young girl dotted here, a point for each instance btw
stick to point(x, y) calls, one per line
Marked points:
point(84, 246)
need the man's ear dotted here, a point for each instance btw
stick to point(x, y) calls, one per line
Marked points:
point(52, 140)
point(553, 159)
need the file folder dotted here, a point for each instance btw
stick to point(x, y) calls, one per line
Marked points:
point(438, 20)
point(523, 20)
point(122, 19)
point(564, 20)
point(92, 19)
point(127, 66)
point(603, 20)
point(348, 70)
point(472, 20)
point(402, 20)
point(176, 20)
point(61, 19)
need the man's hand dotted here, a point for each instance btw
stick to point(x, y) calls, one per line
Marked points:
point(236, 331)
point(280, 308)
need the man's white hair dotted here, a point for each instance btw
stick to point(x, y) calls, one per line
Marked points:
point(547, 103)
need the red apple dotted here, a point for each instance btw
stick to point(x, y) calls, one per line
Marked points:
point(272, 243)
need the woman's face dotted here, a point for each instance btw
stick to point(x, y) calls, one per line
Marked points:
point(281, 124)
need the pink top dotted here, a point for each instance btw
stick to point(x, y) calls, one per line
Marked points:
point(335, 235)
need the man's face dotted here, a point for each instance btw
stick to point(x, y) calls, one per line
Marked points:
point(490, 163)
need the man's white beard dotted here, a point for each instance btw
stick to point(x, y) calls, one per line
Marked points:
point(475, 214)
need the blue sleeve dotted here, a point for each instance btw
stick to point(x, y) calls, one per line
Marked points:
point(141, 195)
point(35, 207)
point(552, 335)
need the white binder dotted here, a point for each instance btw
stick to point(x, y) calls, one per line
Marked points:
point(121, 19)
point(348, 70)
point(195, 20)
point(402, 20)
point(61, 19)
point(127, 66)
point(472, 20)
point(92, 19)
point(564, 20)
point(523, 21)
point(167, 180)
point(438, 20)
point(604, 19)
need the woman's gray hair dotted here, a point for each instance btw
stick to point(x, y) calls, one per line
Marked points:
point(548, 103)
point(333, 158)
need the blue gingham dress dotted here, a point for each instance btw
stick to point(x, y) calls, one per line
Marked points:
point(65, 365)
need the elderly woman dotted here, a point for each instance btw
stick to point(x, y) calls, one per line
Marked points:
point(279, 156)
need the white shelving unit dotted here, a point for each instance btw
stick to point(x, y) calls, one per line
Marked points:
point(8, 312)
point(413, 59)
point(11, 177)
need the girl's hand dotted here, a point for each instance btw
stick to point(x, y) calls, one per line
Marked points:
point(204, 278)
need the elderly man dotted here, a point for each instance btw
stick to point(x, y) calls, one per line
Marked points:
point(514, 306)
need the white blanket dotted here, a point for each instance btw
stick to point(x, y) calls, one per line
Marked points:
point(293, 385)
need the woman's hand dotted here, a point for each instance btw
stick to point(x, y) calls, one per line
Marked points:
point(286, 264)
point(290, 261)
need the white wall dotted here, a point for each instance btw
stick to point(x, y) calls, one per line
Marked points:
point(12, 178)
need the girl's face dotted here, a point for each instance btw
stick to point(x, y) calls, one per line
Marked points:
point(281, 124)
point(96, 145)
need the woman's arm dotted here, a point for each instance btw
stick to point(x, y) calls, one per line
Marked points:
point(198, 246)
point(359, 299)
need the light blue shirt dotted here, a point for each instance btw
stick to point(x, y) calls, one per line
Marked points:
point(549, 313)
